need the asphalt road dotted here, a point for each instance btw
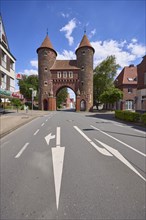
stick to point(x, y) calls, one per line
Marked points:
point(68, 165)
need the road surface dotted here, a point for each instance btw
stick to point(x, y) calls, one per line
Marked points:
point(68, 165)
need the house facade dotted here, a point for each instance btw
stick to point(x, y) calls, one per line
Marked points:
point(141, 86)
point(126, 81)
point(7, 66)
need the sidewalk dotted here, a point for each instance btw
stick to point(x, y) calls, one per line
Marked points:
point(13, 120)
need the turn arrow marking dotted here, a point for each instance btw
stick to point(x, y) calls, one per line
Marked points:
point(58, 159)
point(119, 156)
point(49, 137)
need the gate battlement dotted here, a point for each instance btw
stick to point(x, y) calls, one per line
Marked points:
point(75, 74)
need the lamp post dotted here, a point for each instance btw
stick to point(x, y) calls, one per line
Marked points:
point(31, 98)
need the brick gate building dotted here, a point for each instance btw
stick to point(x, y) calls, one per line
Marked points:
point(56, 74)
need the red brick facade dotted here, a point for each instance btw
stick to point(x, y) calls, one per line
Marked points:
point(75, 74)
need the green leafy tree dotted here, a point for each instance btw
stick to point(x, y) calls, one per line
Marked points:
point(28, 82)
point(103, 78)
point(61, 97)
point(111, 95)
point(16, 103)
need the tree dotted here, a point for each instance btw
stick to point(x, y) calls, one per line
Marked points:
point(61, 97)
point(111, 95)
point(16, 102)
point(28, 82)
point(103, 78)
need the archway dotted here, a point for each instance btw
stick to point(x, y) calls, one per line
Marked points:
point(83, 105)
point(65, 99)
point(45, 102)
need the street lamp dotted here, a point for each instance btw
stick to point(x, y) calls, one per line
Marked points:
point(31, 98)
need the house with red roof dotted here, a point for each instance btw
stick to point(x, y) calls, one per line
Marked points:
point(126, 81)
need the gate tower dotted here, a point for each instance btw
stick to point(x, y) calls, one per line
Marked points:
point(55, 74)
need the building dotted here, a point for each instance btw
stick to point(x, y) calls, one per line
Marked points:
point(75, 74)
point(126, 81)
point(7, 66)
point(141, 86)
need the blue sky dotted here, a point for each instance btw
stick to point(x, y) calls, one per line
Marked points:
point(113, 28)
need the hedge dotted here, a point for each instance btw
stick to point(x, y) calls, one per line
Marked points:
point(128, 116)
point(143, 118)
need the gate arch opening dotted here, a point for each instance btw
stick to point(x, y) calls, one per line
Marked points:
point(65, 99)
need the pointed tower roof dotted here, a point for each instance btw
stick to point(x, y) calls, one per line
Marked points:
point(47, 44)
point(85, 43)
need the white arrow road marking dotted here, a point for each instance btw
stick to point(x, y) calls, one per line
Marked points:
point(99, 149)
point(119, 141)
point(49, 137)
point(120, 157)
point(58, 159)
point(21, 151)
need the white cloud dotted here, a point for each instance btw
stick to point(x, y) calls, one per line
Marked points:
point(29, 72)
point(137, 49)
point(125, 52)
point(34, 63)
point(66, 55)
point(68, 29)
point(64, 15)
point(92, 33)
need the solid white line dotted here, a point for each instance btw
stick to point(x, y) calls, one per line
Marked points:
point(21, 151)
point(119, 141)
point(58, 136)
point(42, 124)
point(142, 132)
point(36, 132)
point(99, 149)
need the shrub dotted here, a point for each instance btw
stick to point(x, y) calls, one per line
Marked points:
point(143, 118)
point(127, 115)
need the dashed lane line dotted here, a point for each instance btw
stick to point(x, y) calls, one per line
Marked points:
point(21, 151)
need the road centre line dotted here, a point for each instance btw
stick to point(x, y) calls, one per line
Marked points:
point(21, 151)
point(119, 141)
point(36, 132)
point(42, 124)
point(99, 149)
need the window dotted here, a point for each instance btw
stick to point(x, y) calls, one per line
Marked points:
point(129, 90)
point(64, 74)
point(82, 68)
point(129, 104)
point(4, 57)
point(58, 74)
point(45, 83)
point(70, 74)
point(11, 64)
point(83, 52)
point(45, 69)
point(144, 78)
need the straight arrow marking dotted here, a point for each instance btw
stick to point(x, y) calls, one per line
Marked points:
point(58, 159)
point(120, 157)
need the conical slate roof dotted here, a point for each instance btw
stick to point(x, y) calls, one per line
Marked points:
point(85, 43)
point(46, 44)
